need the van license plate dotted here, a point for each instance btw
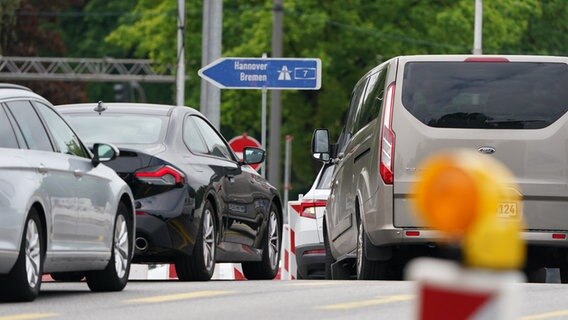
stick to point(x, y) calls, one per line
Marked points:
point(507, 210)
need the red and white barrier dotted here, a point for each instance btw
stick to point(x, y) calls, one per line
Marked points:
point(445, 290)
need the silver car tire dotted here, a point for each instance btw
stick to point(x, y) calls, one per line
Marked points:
point(267, 268)
point(115, 276)
point(24, 280)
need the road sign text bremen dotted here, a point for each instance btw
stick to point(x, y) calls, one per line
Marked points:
point(264, 73)
point(239, 143)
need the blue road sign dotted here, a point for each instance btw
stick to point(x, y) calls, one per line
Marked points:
point(267, 73)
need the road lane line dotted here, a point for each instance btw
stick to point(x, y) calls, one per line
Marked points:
point(366, 303)
point(29, 316)
point(548, 315)
point(313, 283)
point(179, 296)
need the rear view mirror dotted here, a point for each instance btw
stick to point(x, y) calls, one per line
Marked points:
point(320, 145)
point(253, 155)
point(103, 152)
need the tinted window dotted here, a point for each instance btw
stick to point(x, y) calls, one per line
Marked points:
point(119, 128)
point(63, 136)
point(192, 138)
point(32, 129)
point(372, 100)
point(215, 143)
point(7, 136)
point(355, 106)
point(496, 95)
point(325, 179)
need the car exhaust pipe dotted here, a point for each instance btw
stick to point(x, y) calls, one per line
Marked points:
point(141, 244)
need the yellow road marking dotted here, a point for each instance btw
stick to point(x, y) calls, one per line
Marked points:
point(367, 303)
point(312, 283)
point(548, 315)
point(29, 316)
point(178, 296)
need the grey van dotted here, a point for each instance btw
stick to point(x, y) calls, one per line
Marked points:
point(512, 108)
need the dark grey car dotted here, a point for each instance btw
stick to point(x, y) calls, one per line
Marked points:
point(196, 202)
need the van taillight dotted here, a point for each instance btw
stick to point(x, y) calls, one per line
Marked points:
point(387, 139)
point(162, 175)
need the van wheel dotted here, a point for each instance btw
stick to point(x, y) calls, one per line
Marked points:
point(201, 264)
point(367, 269)
point(115, 276)
point(24, 280)
point(329, 260)
point(268, 267)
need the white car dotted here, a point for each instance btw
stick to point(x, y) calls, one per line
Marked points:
point(62, 211)
point(308, 228)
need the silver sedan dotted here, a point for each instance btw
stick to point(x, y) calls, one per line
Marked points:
point(62, 211)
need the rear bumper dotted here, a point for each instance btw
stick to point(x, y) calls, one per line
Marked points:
point(400, 236)
point(166, 238)
point(310, 264)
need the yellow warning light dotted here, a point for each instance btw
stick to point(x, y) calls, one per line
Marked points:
point(472, 197)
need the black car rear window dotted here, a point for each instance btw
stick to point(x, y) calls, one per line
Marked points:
point(119, 128)
point(486, 95)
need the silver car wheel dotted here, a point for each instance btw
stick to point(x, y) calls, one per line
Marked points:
point(33, 253)
point(360, 249)
point(208, 239)
point(121, 246)
point(273, 231)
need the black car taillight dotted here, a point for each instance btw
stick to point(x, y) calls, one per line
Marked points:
point(162, 175)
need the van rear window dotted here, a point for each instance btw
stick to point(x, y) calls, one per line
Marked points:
point(486, 95)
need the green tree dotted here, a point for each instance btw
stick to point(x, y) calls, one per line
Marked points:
point(350, 36)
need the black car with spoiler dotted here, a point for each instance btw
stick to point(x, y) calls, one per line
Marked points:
point(196, 202)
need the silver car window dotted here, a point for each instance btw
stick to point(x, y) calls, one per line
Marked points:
point(63, 136)
point(30, 125)
point(7, 135)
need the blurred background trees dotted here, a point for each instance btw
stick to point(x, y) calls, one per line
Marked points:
point(349, 36)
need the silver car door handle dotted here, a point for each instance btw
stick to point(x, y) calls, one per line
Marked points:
point(78, 173)
point(42, 169)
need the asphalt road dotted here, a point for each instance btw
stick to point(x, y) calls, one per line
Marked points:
point(252, 300)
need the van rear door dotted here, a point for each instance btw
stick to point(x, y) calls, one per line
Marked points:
point(511, 108)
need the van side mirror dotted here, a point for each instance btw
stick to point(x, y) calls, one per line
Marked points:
point(320, 145)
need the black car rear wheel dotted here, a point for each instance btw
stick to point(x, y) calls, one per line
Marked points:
point(201, 264)
point(24, 280)
point(267, 268)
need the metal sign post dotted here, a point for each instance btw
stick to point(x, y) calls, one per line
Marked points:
point(263, 123)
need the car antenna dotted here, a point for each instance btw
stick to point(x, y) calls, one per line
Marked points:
point(100, 107)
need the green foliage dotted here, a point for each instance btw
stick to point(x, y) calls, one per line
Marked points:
point(349, 36)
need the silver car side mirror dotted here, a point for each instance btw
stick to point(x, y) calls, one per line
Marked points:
point(103, 152)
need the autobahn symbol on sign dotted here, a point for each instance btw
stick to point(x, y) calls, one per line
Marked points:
point(239, 143)
point(264, 73)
